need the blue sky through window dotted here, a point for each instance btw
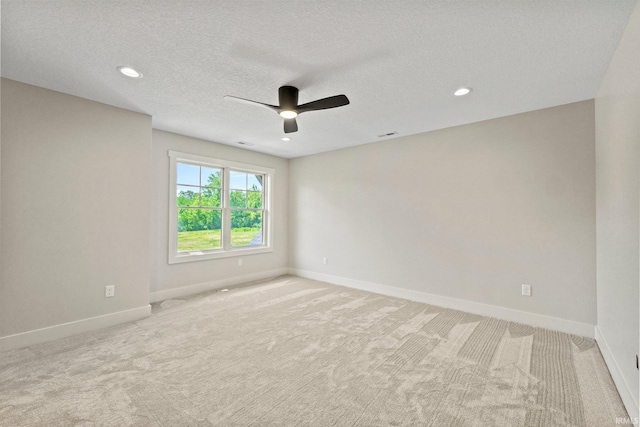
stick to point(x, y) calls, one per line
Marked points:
point(188, 174)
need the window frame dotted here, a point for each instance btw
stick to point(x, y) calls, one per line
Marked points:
point(227, 250)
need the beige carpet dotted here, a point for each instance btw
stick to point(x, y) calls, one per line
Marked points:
point(292, 351)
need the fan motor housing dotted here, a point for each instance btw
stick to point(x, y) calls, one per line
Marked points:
point(288, 97)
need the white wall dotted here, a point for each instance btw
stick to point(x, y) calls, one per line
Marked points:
point(470, 212)
point(618, 214)
point(0, 147)
point(180, 279)
point(75, 210)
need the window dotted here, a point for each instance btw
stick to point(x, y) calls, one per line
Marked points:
point(217, 208)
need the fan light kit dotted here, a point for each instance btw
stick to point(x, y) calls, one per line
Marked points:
point(288, 114)
point(129, 72)
point(462, 91)
point(289, 108)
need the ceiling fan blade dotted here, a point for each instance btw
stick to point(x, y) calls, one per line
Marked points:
point(324, 104)
point(248, 101)
point(290, 125)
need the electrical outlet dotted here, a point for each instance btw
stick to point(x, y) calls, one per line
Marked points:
point(526, 290)
point(239, 262)
point(325, 261)
point(109, 291)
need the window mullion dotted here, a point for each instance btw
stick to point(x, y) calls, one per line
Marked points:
point(226, 213)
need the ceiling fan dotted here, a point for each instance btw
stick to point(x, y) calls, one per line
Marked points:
point(289, 108)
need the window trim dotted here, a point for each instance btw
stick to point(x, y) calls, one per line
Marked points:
point(226, 250)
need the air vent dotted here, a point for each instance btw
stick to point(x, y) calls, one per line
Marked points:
point(385, 135)
point(248, 144)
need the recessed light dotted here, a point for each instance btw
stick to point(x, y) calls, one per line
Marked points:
point(288, 114)
point(129, 72)
point(286, 139)
point(462, 91)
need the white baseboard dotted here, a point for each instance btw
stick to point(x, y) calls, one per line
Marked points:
point(533, 319)
point(621, 384)
point(216, 284)
point(50, 333)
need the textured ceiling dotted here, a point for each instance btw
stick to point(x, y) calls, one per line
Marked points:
point(397, 61)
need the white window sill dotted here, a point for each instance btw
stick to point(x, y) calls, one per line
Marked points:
point(203, 256)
